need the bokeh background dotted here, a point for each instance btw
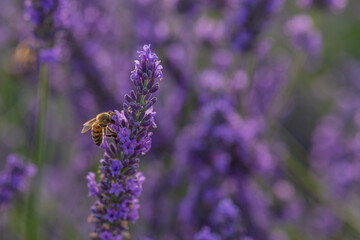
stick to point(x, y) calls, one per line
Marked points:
point(258, 116)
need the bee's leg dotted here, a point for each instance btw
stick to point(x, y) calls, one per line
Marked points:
point(112, 133)
point(110, 130)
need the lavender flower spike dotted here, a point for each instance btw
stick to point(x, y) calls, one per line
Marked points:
point(251, 19)
point(120, 182)
point(13, 178)
point(45, 17)
point(41, 13)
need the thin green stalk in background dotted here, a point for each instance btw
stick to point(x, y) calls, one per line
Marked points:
point(307, 181)
point(32, 218)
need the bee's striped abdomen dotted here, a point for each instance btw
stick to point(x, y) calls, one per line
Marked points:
point(97, 134)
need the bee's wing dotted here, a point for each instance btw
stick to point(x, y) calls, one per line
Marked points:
point(88, 125)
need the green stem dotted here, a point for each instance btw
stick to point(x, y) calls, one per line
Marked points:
point(295, 167)
point(250, 67)
point(42, 114)
point(295, 77)
point(32, 219)
point(307, 181)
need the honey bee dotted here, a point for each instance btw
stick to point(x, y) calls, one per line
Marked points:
point(100, 127)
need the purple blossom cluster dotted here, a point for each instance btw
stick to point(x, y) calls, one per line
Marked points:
point(13, 179)
point(41, 14)
point(303, 36)
point(250, 20)
point(44, 15)
point(120, 183)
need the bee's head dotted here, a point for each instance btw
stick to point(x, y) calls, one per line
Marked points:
point(105, 118)
point(111, 114)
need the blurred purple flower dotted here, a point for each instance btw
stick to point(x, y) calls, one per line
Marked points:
point(92, 185)
point(335, 156)
point(226, 217)
point(226, 210)
point(303, 36)
point(50, 54)
point(220, 152)
point(250, 21)
point(205, 234)
point(116, 167)
point(37, 11)
point(335, 149)
point(44, 16)
point(120, 182)
point(209, 30)
point(14, 177)
point(116, 189)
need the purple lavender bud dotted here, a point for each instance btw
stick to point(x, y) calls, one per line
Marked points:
point(145, 91)
point(120, 183)
point(147, 117)
point(303, 35)
point(151, 103)
point(133, 105)
point(112, 150)
point(151, 83)
point(92, 185)
point(146, 123)
point(14, 177)
point(155, 88)
point(131, 121)
point(133, 95)
point(128, 98)
point(147, 97)
point(126, 113)
point(153, 100)
point(131, 171)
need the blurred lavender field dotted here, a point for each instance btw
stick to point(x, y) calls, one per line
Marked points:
point(239, 120)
